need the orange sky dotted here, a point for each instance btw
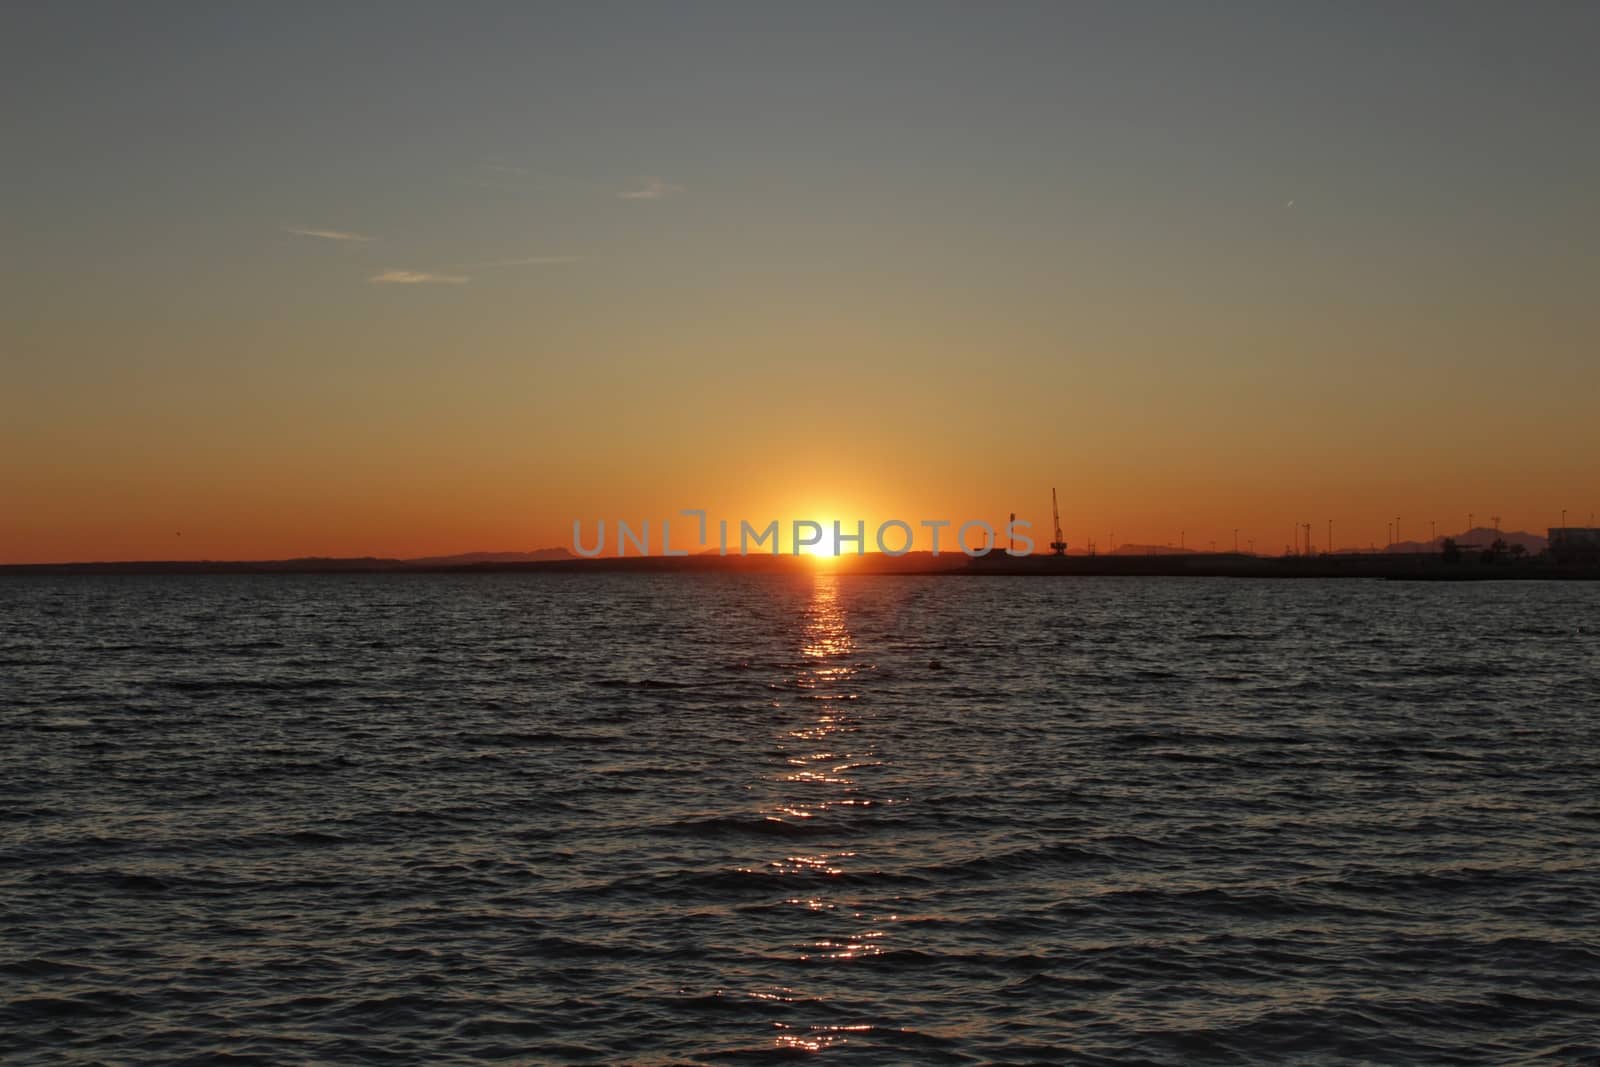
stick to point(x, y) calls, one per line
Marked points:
point(1198, 274)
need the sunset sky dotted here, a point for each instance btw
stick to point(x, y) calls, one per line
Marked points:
point(285, 280)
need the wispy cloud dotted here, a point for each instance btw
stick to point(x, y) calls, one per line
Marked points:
point(327, 235)
point(651, 189)
point(394, 276)
point(417, 277)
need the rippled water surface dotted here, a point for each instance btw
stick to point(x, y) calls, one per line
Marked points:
point(703, 819)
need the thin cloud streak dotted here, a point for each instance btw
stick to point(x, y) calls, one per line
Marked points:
point(327, 235)
point(651, 189)
point(417, 277)
point(395, 276)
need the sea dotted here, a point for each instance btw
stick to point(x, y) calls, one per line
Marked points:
point(692, 818)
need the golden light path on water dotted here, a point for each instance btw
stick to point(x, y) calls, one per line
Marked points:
point(817, 780)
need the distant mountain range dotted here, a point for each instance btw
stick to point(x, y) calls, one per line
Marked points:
point(468, 559)
point(1477, 537)
point(561, 559)
point(380, 563)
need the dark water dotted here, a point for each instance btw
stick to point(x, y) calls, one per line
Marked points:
point(689, 819)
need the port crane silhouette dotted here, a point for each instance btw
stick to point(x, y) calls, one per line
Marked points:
point(1059, 545)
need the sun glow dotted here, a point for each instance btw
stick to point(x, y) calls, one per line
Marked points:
point(827, 547)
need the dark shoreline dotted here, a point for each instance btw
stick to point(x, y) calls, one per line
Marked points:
point(1393, 567)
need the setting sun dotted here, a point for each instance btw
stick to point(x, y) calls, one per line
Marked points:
point(826, 547)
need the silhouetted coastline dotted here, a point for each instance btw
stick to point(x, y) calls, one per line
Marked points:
point(1470, 566)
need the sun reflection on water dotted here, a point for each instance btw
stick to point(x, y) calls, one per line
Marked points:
point(817, 787)
point(826, 633)
point(815, 1038)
